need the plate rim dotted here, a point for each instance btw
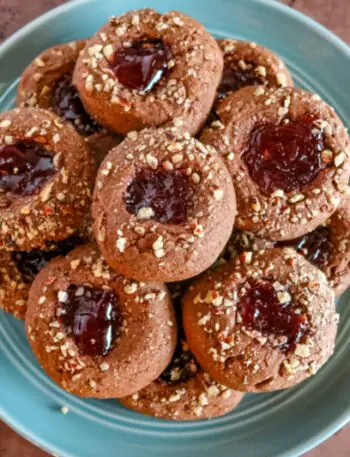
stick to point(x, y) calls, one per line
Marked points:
point(322, 434)
point(298, 450)
point(25, 29)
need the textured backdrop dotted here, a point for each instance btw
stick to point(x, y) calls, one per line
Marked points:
point(334, 14)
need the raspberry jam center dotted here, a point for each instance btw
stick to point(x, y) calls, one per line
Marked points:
point(315, 246)
point(236, 78)
point(31, 263)
point(142, 65)
point(286, 157)
point(67, 104)
point(161, 195)
point(91, 314)
point(25, 167)
point(264, 309)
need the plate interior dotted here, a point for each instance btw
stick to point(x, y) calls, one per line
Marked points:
point(284, 423)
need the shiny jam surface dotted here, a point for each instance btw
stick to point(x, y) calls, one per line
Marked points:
point(91, 314)
point(262, 310)
point(315, 246)
point(142, 65)
point(161, 195)
point(24, 168)
point(67, 104)
point(236, 78)
point(286, 157)
point(30, 263)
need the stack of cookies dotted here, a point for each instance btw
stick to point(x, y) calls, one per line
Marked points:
point(174, 217)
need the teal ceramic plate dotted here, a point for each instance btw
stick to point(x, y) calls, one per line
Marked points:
point(285, 423)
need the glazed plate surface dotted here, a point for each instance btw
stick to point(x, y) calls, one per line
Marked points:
point(286, 423)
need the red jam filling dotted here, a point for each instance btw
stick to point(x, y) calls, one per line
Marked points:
point(236, 78)
point(286, 157)
point(31, 263)
point(315, 246)
point(142, 65)
point(91, 314)
point(67, 104)
point(262, 310)
point(25, 167)
point(166, 195)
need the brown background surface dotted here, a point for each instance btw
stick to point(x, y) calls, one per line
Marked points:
point(334, 14)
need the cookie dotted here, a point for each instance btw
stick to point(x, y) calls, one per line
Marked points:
point(47, 83)
point(19, 268)
point(183, 392)
point(289, 156)
point(163, 206)
point(248, 64)
point(13, 290)
point(144, 69)
point(337, 264)
point(96, 333)
point(46, 177)
point(327, 247)
point(264, 322)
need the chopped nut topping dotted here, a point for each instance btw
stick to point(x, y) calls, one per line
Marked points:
point(203, 399)
point(327, 156)
point(64, 410)
point(339, 159)
point(196, 178)
point(108, 50)
point(8, 139)
point(121, 244)
point(56, 138)
point(74, 264)
point(259, 91)
point(302, 350)
point(152, 161)
point(260, 70)
point(218, 194)
point(199, 231)
point(177, 158)
point(5, 123)
point(62, 296)
point(296, 198)
point(145, 213)
point(130, 288)
point(281, 79)
point(226, 394)
point(158, 244)
point(39, 62)
point(284, 297)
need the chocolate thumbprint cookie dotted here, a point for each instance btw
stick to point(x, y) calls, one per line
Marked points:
point(263, 322)
point(164, 206)
point(289, 156)
point(143, 69)
point(46, 179)
point(96, 333)
point(47, 83)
